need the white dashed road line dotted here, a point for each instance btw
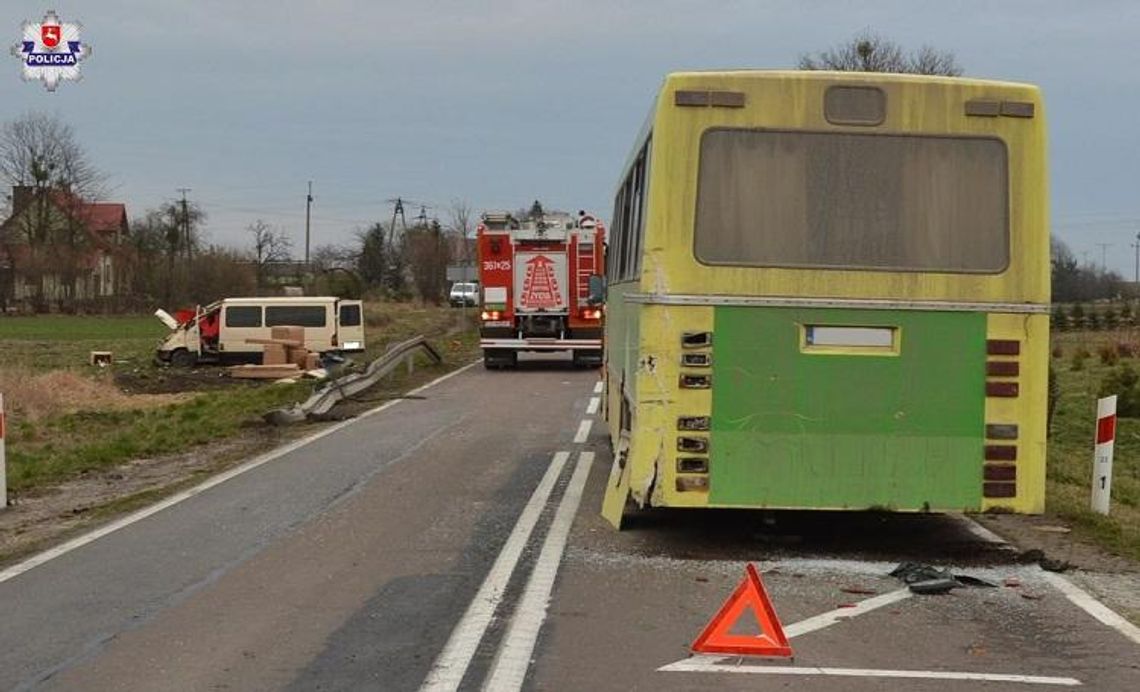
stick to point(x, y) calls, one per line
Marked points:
point(513, 659)
point(598, 388)
point(451, 665)
point(592, 407)
point(583, 431)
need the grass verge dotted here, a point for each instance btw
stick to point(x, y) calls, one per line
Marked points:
point(64, 431)
point(1071, 443)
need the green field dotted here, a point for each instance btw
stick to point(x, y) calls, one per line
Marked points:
point(51, 342)
point(67, 417)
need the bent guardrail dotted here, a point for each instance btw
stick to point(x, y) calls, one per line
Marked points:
point(322, 401)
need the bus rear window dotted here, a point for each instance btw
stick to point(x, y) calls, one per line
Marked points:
point(840, 200)
point(243, 316)
point(295, 315)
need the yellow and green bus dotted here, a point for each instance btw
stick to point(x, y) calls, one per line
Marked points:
point(830, 291)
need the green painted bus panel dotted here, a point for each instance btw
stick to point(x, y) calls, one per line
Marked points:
point(792, 428)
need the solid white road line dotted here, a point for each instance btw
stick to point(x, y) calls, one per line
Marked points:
point(828, 619)
point(592, 407)
point(1093, 607)
point(451, 664)
point(513, 659)
point(705, 664)
point(80, 541)
point(597, 388)
point(583, 431)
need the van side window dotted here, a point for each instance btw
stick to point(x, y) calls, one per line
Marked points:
point(295, 315)
point(243, 316)
point(350, 315)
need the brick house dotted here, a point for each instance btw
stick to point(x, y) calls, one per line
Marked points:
point(58, 250)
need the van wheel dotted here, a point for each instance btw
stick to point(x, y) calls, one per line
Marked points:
point(182, 358)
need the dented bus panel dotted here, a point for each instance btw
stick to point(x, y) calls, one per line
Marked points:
point(830, 291)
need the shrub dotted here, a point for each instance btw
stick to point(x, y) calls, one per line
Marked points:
point(1058, 352)
point(1126, 349)
point(1122, 382)
point(1059, 319)
point(1079, 357)
point(1110, 316)
point(1094, 320)
point(1078, 314)
point(1108, 354)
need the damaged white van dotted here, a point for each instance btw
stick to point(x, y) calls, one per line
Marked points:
point(221, 331)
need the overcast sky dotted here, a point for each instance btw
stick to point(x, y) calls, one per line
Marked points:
point(499, 102)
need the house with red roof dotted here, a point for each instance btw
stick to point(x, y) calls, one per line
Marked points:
point(58, 250)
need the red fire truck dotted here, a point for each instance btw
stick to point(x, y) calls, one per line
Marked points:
point(542, 285)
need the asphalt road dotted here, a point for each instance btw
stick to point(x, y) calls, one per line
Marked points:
point(453, 541)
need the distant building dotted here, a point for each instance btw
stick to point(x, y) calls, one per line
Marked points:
point(57, 249)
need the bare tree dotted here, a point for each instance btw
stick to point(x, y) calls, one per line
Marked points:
point(329, 257)
point(461, 226)
point(929, 60)
point(269, 245)
point(428, 256)
point(870, 52)
point(51, 177)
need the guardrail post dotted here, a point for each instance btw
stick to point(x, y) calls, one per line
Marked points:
point(1102, 453)
point(3, 460)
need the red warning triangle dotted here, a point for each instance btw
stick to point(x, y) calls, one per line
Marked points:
point(750, 594)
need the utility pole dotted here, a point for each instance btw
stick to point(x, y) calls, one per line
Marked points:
point(308, 209)
point(398, 210)
point(1104, 254)
point(1136, 247)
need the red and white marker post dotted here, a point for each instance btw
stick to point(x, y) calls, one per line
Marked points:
point(3, 461)
point(1102, 453)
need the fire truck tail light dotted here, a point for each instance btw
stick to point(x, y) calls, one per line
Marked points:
point(591, 314)
point(491, 315)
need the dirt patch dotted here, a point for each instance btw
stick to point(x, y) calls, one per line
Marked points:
point(172, 380)
point(34, 396)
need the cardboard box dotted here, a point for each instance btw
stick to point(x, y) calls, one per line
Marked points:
point(288, 333)
point(274, 354)
point(312, 362)
point(297, 356)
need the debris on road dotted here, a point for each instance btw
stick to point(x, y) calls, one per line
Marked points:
point(859, 590)
point(1046, 563)
point(927, 579)
point(1012, 582)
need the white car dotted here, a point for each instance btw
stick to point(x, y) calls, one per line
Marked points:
point(464, 294)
